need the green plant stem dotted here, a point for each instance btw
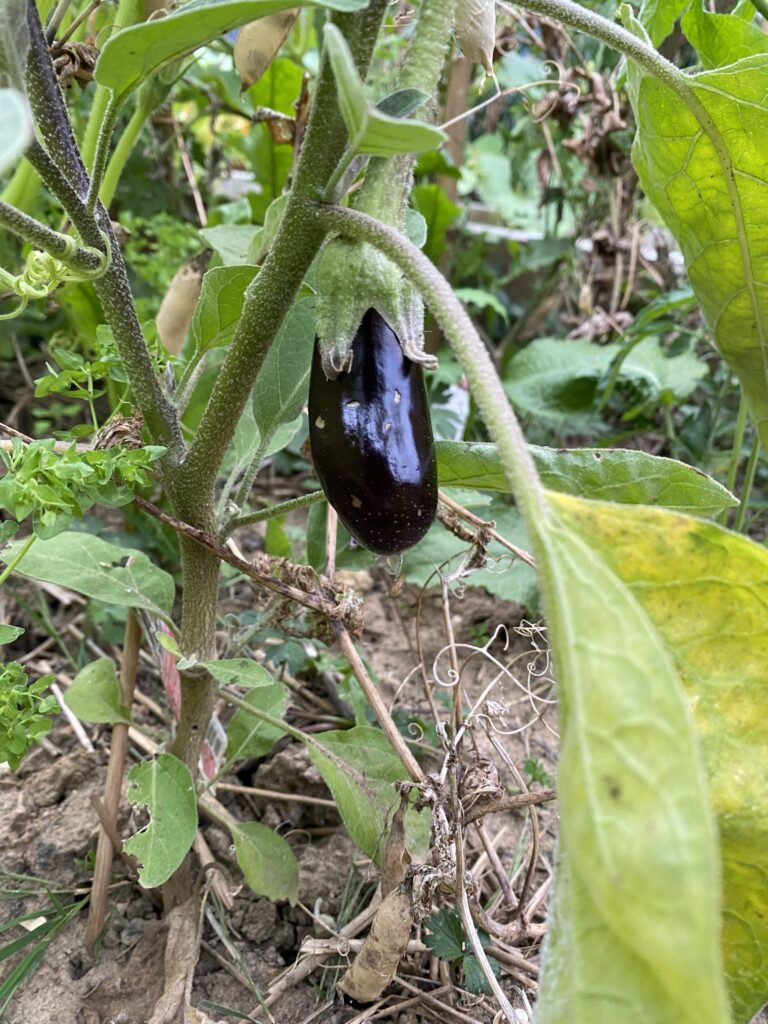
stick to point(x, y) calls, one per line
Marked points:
point(277, 723)
point(120, 154)
point(761, 6)
point(471, 352)
point(749, 479)
point(282, 509)
point(270, 295)
point(102, 150)
point(62, 170)
point(129, 12)
point(17, 558)
point(738, 444)
point(42, 237)
point(575, 16)
point(268, 299)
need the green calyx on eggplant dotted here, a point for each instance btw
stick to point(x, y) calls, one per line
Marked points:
point(371, 439)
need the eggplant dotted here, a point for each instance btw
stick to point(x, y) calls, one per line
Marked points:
point(370, 435)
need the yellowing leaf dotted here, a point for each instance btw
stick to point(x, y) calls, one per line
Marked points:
point(640, 930)
point(704, 591)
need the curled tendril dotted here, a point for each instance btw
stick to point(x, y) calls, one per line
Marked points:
point(43, 273)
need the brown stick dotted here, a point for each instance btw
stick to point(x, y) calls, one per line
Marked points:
point(325, 607)
point(508, 803)
point(103, 865)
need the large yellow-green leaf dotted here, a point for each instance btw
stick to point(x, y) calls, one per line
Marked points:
point(705, 591)
point(706, 174)
point(639, 936)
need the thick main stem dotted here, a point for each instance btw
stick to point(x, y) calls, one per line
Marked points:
point(274, 289)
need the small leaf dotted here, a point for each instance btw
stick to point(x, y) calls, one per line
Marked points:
point(10, 633)
point(402, 103)
point(94, 694)
point(248, 736)
point(445, 936)
point(218, 310)
point(165, 786)
point(474, 979)
point(238, 672)
point(268, 863)
point(370, 130)
point(170, 643)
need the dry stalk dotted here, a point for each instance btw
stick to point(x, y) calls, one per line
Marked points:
point(113, 789)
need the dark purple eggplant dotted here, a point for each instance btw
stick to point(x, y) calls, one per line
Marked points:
point(371, 439)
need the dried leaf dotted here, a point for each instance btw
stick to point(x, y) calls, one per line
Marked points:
point(178, 306)
point(475, 22)
point(396, 856)
point(375, 965)
point(259, 42)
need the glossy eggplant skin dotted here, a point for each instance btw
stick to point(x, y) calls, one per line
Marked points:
point(371, 439)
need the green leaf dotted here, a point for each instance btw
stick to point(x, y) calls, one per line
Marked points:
point(280, 392)
point(16, 128)
point(360, 768)
point(238, 672)
point(439, 213)
point(705, 591)
point(10, 633)
point(106, 572)
point(557, 381)
point(165, 787)
point(232, 242)
point(94, 694)
point(706, 175)
point(219, 307)
point(722, 38)
point(268, 863)
point(131, 56)
point(637, 831)
point(370, 130)
point(474, 979)
point(8, 529)
point(248, 736)
point(609, 474)
point(402, 103)
point(659, 16)
point(445, 936)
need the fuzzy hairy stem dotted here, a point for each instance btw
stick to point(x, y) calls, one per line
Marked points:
point(273, 290)
point(62, 170)
point(48, 107)
point(30, 230)
point(575, 16)
point(471, 352)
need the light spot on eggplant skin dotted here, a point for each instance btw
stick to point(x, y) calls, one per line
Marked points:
point(387, 426)
point(320, 423)
point(356, 503)
point(398, 397)
point(353, 405)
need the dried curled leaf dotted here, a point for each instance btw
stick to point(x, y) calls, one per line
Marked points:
point(375, 965)
point(178, 306)
point(475, 23)
point(259, 42)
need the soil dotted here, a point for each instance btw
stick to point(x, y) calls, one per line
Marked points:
point(49, 828)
